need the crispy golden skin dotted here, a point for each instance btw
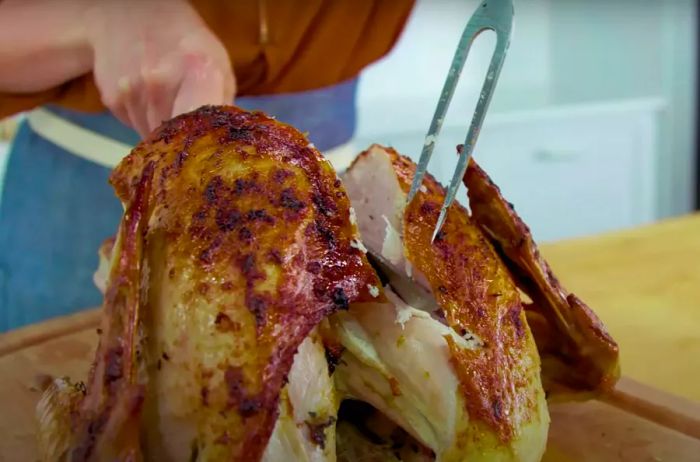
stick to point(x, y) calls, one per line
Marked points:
point(235, 243)
point(578, 354)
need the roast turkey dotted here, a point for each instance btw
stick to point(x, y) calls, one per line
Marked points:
point(250, 311)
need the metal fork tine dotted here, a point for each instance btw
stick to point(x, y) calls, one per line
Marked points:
point(496, 15)
point(448, 90)
point(473, 133)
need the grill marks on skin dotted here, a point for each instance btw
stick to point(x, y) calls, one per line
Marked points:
point(249, 209)
point(463, 270)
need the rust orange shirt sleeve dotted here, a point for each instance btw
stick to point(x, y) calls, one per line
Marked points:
point(276, 46)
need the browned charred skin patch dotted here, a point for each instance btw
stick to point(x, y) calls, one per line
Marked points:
point(515, 315)
point(232, 134)
point(227, 220)
point(224, 323)
point(333, 352)
point(180, 159)
point(237, 394)
point(245, 186)
point(248, 268)
point(317, 430)
point(258, 304)
point(340, 299)
point(113, 365)
point(245, 235)
point(208, 255)
point(314, 267)
point(281, 174)
point(260, 215)
point(429, 208)
point(249, 407)
point(320, 290)
point(214, 190)
point(324, 204)
point(275, 256)
point(324, 233)
point(288, 200)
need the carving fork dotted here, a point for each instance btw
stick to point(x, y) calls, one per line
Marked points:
point(495, 15)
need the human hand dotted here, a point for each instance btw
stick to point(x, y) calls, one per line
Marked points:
point(154, 59)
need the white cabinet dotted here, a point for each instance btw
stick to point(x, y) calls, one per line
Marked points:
point(569, 171)
point(578, 174)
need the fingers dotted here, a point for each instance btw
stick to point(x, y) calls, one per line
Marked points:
point(149, 65)
point(114, 98)
point(159, 96)
point(137, 115)
point(203, 83)
point(159, 78)
point(130, 103)
point(145, 101)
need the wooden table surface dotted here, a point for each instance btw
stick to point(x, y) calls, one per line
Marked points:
point(645, 286)
point(643, 283)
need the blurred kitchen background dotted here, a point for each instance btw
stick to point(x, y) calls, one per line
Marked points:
point(592, 127)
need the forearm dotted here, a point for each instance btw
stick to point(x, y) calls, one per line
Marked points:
point(42, 44)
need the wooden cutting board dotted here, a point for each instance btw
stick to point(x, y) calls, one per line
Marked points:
point(643, 283)
point(637, 423)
